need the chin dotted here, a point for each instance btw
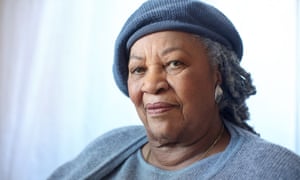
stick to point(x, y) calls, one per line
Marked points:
point(163, 134)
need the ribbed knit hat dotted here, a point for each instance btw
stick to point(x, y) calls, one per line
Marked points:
point(190, 16)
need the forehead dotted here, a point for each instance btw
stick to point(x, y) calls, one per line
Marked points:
point(166, 39)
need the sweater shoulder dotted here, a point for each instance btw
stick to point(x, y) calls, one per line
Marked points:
point(267, 152)
point(119, 135)
point(104, 152)
point(258, 146)
point(113, 140)
point(264, 158)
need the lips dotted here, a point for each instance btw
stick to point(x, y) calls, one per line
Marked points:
point(159, 108)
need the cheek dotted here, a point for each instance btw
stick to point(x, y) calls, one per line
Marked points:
point(198, 89)
point(134, 92)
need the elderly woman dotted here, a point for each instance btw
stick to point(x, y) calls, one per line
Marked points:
point(179, 62)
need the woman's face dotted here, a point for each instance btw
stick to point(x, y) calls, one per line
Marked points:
point(172, 84)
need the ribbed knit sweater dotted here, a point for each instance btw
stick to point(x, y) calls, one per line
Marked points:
point(117, 155)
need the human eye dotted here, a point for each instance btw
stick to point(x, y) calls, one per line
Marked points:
point(175, 64)
point(137, 70)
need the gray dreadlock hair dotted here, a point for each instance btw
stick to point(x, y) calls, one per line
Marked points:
point(236, 84)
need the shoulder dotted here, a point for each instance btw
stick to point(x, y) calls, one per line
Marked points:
point(263, 148)
point(265, 158)
point(115, 145)
point(122, 134)
point(115, 139)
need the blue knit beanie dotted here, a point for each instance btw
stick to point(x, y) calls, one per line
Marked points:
point(189, 16)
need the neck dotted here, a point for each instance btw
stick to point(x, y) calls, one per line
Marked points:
point(177, 156)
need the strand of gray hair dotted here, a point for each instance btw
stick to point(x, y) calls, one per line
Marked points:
point(236, 84)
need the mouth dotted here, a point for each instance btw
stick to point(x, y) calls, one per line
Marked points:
point(159, 108)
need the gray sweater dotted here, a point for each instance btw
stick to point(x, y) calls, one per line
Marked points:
point(117, 155)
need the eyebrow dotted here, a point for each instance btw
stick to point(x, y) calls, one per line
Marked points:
point(169, 50)
point(163, 53)
point(135, 57)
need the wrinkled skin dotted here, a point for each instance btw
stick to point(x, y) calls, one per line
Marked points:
point(172, 84)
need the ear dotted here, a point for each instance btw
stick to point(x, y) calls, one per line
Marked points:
point(218, 76)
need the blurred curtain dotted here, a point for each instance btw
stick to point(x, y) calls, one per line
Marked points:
point(55, 82)
point(298, 75)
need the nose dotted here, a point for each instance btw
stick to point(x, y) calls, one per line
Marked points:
point(155, 82)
